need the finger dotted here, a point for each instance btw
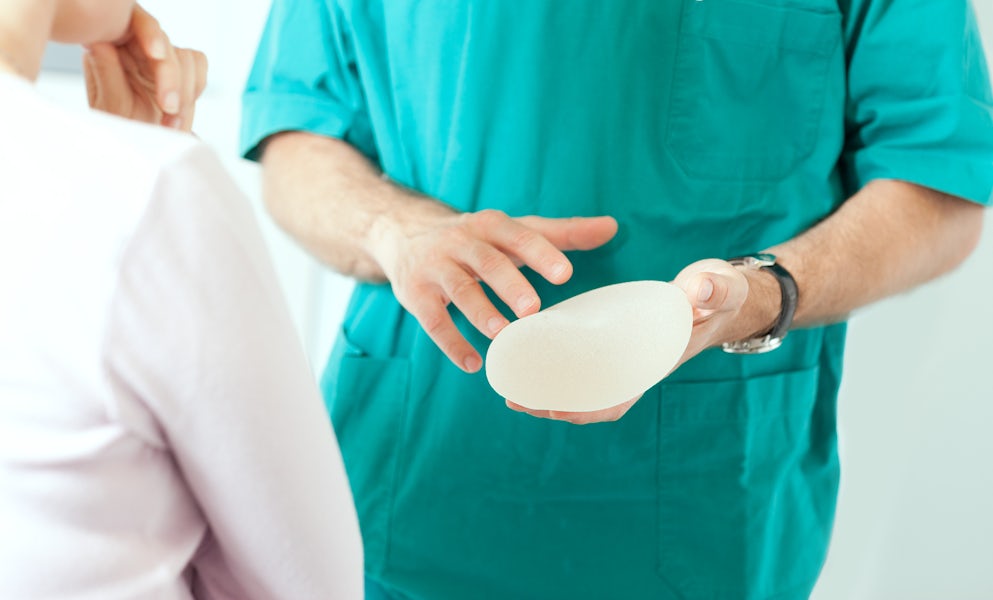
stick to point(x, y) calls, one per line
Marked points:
point(92, 83)
point(577, 233)
point(157, 61)
point(586, 418)
point(530, 246)
point(168, 75)
point(147, 33)
point(200, 62)
point(106, 81)
point(541, 414)
point(188, 90)
point(569, 417)
point(467, 295)
point(578, 418)
point(431, 313)
point(500, 273)
point(555, 415)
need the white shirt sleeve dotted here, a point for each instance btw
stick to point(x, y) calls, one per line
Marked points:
point(201, 339)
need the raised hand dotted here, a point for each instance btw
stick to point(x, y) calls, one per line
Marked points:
point(144, 78)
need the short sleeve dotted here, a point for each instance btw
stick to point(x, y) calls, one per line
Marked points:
point(919, 105)
point(304, 79)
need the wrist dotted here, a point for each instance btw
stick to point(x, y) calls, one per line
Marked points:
point(754, 315)
point(402, 215)
point(762, 305)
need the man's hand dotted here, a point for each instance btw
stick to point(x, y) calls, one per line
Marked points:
point(717, 291)
point(144, 78)
point(440, 257)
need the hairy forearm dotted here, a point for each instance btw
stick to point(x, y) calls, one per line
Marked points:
point(886, 239)
point(333, 201)
point(340, 208)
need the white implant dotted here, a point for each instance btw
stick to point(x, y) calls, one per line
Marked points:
point(593, 351)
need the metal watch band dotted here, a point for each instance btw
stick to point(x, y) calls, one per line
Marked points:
point(790, 296)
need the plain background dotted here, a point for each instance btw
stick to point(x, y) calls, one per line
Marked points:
point(914, 517)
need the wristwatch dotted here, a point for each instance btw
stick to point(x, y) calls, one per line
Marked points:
point(787, 285)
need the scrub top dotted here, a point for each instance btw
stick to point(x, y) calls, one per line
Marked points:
point(708, 128)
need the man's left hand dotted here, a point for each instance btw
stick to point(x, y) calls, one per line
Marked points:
point(717, 292)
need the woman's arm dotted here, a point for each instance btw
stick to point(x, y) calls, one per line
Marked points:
point(203, 337)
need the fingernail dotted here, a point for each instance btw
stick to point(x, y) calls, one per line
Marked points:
point(558, 270)
point(524, 303)
point(157, 50)
point(472, 364)
point(171, 103)
point(495, 324)
point(705, 291)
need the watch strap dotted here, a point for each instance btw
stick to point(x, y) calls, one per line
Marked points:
point(789, 299)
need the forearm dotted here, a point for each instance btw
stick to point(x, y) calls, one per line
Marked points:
point(333, 201)
point(888, 238)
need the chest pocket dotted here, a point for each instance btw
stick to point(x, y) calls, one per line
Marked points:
point(748, 88)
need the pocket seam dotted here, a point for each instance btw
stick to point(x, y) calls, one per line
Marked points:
point(669, 564)
point(363, 362)
point(690, 416)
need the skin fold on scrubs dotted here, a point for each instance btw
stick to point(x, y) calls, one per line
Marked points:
point(707, 128)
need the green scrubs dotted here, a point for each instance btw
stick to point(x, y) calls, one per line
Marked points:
point(708, 128)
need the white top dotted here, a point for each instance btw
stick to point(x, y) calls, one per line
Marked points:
point(161, 435)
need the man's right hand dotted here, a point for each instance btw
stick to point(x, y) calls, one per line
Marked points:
point(434, 256)
point(338, 205)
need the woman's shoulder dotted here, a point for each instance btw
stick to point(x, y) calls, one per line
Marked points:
point(151, 148)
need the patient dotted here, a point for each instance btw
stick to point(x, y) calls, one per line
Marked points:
point(161, 435)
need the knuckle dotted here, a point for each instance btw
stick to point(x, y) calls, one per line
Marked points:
point(404, 299)
point(408, 293)
point(462, 288)
point(489, 261)
point(488, 218)
point(433, 323)
point(483, 315)
point(524, 238)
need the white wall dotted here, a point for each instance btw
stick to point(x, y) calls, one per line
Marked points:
point(227, 31)
point(914, 516)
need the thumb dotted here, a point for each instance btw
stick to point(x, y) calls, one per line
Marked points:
point(708, 291)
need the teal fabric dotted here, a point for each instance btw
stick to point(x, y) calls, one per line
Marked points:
point(708, 128)
point(375, 591)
